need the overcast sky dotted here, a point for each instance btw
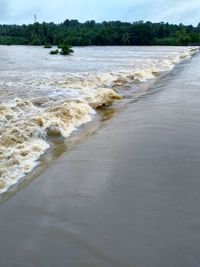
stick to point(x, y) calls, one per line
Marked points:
point(174, 11)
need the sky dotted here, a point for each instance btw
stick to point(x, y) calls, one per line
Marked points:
point(173, 11)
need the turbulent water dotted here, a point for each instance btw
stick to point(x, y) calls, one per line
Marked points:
point(43, 95)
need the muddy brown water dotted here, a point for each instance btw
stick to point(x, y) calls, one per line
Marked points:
point(128, 195)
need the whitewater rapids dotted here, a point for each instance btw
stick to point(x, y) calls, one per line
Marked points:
point(34, 106)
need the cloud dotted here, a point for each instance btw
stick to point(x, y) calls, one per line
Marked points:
point(179, 11)
point(168, 11)
point(175, 11)
point(4, 8)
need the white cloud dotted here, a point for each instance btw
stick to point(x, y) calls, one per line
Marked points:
point(4, 8)
point(176, 11)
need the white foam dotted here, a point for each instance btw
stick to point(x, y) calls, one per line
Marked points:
point(70, 102)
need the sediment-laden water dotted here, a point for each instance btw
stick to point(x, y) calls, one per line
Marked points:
point(43, 95)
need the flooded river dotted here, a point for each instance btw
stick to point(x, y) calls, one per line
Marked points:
point(127, 196)
point(43, 95)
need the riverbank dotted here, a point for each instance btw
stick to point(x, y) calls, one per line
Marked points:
point(126, 196)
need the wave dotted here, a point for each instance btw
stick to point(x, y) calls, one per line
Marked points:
point(25, 124)
point(25, 128)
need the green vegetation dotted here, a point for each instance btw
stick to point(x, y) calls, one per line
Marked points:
point(75, 33)
point(66, 49)
point(54, 52)
point(47, 46)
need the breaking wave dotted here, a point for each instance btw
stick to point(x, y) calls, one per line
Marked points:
point(26, 123)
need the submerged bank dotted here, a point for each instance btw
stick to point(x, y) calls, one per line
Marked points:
point(68, 101)
point(127, 196)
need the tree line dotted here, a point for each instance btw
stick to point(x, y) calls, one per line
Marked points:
point(106, 33)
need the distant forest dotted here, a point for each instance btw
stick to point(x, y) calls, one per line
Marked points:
point(106, 33)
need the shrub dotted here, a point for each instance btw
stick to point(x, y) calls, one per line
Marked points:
point(66, 49)
point(47, 46)
point(54, 52)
